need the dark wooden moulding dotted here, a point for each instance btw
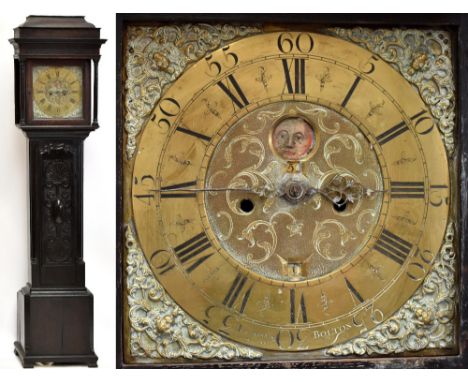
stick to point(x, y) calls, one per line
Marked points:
point(457, 25)
point(55, 309)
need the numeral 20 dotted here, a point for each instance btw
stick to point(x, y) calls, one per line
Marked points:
point(416, 271)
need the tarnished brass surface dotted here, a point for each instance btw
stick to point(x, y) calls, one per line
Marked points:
point(278, 239)
point(158, 56)
point(425, 321)
point(424, 58)
point(161, 329)
point(57, 92)
point(270, 262)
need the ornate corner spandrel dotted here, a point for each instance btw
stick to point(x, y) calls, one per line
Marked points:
point(426, 321)
point(159, 327)
point(155, 57)
point(423, 57)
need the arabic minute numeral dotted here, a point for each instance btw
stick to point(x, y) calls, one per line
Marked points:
point(423, 123)
point(229, 60)
point(369, 66)
point(302, 43)
point(421, 127)
point(416, 270)
point(169, 108)
point(436, 197)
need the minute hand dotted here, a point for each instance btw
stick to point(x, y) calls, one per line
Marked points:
point(213, 189)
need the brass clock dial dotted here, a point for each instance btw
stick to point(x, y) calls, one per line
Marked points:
point(57, 92)
point(273, 205)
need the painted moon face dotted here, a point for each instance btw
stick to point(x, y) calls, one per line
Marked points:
point(293, 139)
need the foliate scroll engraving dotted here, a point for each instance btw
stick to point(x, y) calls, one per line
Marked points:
point(330, 244)
point(159, 327)
point(276, 235)
point(157, 56)
point(57, 167)
point(424, 322)
point(423, 57)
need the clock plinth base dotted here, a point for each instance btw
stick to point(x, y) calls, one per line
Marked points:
point(55, 326)
point(29, 361)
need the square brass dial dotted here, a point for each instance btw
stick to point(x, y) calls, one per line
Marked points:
point(57, 92)
point(288, 193)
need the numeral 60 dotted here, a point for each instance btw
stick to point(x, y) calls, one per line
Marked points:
point(304, 43)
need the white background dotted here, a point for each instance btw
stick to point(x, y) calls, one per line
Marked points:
point(99, 185)
point(99, 171)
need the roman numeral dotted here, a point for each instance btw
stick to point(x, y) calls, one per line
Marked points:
point(293, 310)
point(299, 75)
point(351, 91)
point(145, 198)
point(392, 133)
point(189, 253)
point(392, 246)
point(407, 190)
point(235, 291)
point(396, 130)
point(354, 293)
point(239, 99)
point(180, 193)
point(193, 133)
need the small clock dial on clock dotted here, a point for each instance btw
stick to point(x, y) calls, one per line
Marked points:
point(57, 92)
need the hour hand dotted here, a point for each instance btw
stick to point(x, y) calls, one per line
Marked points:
point(343, 190)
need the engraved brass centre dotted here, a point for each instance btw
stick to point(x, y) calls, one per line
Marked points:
point(292, 224)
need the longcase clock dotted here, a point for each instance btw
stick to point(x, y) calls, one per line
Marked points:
point(289, 191)
point(56, 73)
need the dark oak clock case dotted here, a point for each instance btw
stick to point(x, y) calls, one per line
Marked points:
point(55, 309)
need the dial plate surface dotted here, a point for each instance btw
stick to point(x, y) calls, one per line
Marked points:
point(57, 92)
point(278, 237)
point(280, 308)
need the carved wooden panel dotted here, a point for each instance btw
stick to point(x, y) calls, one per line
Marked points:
point(57, 167)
